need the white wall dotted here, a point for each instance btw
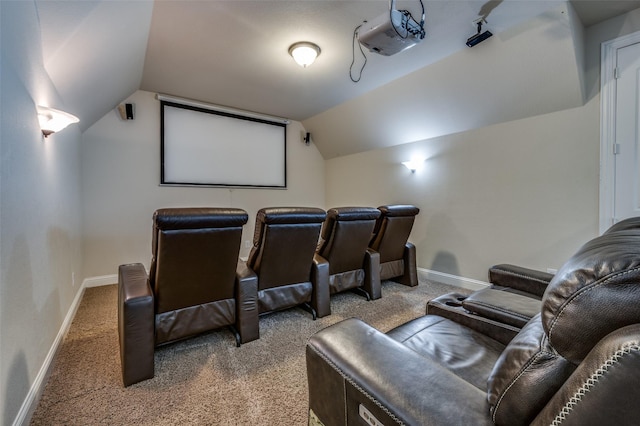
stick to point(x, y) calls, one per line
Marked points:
point(523, 192)
point(40, 212)
point(120, 187)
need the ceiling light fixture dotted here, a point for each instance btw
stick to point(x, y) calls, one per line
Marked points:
point(53, 120)
point(304, 53)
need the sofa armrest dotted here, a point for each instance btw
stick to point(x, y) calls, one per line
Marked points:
point(352, 366)
point(320, 280)
point(136, 323)
point(372, 274)
point(523, 279)
point(247, 321)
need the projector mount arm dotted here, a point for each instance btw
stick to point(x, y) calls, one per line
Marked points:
point(410, 20)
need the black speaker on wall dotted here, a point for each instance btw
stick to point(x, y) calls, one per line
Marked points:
point(127, 111)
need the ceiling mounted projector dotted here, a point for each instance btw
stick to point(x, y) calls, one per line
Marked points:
point(392, 32)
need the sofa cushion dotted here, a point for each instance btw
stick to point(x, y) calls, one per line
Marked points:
point(466, 353)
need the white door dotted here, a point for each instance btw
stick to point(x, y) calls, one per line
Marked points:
point(627, 141)
point(619, 130)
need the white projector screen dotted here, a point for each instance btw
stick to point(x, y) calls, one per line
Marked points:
point(202, 147)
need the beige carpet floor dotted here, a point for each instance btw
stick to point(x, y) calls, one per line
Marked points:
point(206, 380)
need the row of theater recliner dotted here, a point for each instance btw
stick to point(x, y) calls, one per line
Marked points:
point(300, 256)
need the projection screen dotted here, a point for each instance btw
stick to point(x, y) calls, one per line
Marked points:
point(208, 147)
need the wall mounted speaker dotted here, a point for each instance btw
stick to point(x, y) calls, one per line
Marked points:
point(127, 111)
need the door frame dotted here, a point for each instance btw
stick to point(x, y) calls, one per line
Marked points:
point(608, 125)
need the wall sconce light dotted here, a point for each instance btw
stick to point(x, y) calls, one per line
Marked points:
point(53, 120)
point(414, 164)
point(304, 53)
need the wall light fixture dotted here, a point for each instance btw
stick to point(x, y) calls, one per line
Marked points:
point(53, 120)
point(414, 164)
point(304, 53)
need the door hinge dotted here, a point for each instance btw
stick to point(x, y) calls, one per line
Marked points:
point(616, 148)
point(616, 73)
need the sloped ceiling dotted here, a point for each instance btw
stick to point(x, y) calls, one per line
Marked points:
point(234, 53)
point(530, 69)
point(94, 52)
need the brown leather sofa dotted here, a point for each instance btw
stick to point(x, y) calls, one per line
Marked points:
point(397, 255)
point(284, 260)
point(344, 244)
point(577, 362)
point(196, 283)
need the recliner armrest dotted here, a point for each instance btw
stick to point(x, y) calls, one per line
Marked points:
point(410, 276)
point(604, 387)
point(351, 364)
point(320, 281)
point(526, 280)
point(247, 315)
point(136, 323)
point(372, 274)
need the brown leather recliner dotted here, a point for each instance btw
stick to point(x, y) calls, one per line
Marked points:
point(283, 257)
point(397, 255)
point(196, 283)
point(345, 238)
point(577, 362)
point(513, 298)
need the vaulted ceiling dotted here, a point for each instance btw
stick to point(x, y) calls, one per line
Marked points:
point(235, 53)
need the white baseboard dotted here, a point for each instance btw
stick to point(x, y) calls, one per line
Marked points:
point(30, 402)
point(450, 279)
point(100, 280)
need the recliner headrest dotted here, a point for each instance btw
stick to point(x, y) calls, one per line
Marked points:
point(625, 225)
point(198, 217)
point(395, 210)
point(347, 214)
point(285, 215)
point(291, 215)
point(399, 210)
point(353, 213)
point(595, 292)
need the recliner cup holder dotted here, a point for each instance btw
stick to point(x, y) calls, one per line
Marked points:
point(455, 304)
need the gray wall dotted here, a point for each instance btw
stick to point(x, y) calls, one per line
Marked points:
point(40, 211)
